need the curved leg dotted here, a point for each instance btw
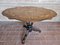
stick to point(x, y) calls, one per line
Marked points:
point(23, 39)
point(24, 36)
point(36, 29)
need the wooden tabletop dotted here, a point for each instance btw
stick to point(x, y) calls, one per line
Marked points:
point(29, 13)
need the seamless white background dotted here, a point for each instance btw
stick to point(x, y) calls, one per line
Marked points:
point(50, 4)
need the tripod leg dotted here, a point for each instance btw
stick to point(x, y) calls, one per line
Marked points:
point(23, 40)
point(36, 29)
point(28, 26)
point(24, 37)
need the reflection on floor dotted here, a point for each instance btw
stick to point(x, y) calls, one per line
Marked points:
point(10, 34)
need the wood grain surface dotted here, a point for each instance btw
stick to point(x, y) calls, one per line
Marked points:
point(29, 13)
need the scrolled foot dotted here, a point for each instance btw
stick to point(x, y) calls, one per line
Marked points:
point(23, 42)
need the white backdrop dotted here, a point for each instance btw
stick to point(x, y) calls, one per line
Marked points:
point(51, 4)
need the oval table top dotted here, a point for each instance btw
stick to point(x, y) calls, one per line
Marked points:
point(29, 13)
